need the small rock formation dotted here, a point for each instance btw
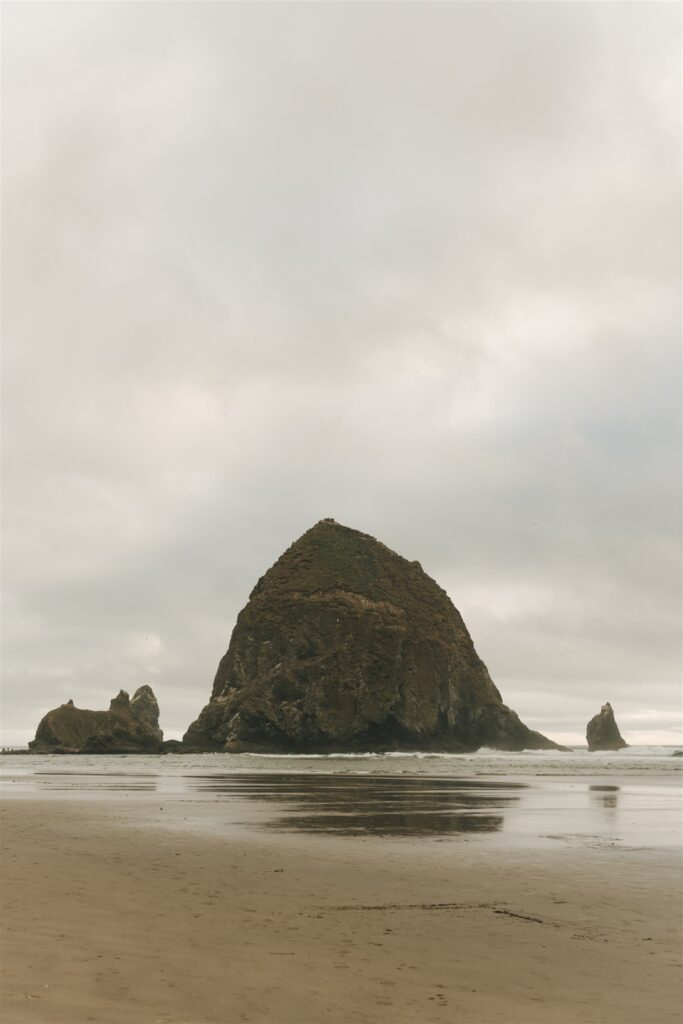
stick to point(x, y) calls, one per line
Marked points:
point(345, 645)
point(128, 727)
point(602, 732)
point(172, 747)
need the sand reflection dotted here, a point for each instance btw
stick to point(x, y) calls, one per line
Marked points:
point(606, 796)
point(371, 805)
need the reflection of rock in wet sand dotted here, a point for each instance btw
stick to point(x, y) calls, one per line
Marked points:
point(417, 823)
point(607, 796)
point(373, 806)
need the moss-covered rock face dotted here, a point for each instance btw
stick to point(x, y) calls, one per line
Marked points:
point(128, 727)
point(602, 732)
point(344, 646)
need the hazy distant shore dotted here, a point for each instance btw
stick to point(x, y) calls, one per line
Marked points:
point(121, 910)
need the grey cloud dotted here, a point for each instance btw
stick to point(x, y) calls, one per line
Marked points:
point(413, 266)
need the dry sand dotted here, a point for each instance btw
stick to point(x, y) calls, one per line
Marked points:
point(106, 921)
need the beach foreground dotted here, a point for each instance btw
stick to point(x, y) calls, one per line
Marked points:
point(109, 920)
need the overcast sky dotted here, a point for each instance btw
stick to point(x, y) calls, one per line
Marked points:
point(413, 266)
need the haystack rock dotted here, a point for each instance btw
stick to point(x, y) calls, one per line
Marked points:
point(602, 732)
point(346, 646)
point(128, 727)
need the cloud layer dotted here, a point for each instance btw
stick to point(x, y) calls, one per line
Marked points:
point(416, 267)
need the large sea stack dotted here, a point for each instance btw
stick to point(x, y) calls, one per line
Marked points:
point(346, 646)
point(128, 727)
point(602, 732)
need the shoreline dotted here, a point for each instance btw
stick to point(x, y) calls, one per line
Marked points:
point(579, 748)
point(110, 918)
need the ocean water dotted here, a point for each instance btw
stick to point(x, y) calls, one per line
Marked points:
point(577, 761)
point(629, 800)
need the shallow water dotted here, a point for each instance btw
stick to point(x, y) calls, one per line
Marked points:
point(577, 761)
point(628, 800)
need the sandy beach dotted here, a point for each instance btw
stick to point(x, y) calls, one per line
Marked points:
point(109, 919)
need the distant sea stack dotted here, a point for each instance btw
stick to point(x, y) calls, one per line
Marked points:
point(346, 646)
point(602, 732)
point(128, 727)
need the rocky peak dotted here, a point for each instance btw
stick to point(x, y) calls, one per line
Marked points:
point(602, 732)
point(346, 645)
point(128, 727)
point(120, 702)
point(145, 709)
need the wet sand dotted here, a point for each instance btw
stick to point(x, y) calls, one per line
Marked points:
point(110, 919)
